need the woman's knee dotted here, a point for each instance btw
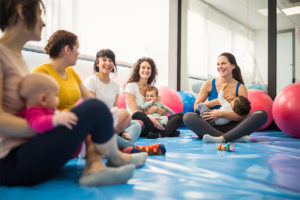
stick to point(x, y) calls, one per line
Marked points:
point(138, 115)
point(92, 106)
point(188, 117)
point(124, 120)
point(260, 115)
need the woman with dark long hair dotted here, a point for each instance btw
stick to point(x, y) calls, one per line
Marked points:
point(230, 74)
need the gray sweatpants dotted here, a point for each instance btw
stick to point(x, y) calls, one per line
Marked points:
point(230, 131)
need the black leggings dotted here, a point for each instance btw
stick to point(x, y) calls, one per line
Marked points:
point(230, 131)
point(44, 155)
point(174, 122)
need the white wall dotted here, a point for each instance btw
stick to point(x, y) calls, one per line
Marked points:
point(261, 52)
point(284, 68)
point(83, 68)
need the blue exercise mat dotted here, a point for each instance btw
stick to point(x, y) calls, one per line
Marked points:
point(267, 168)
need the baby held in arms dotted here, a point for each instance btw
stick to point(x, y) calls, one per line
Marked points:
point(39, 91)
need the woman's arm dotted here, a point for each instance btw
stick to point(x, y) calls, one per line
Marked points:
point(156, 109)
point(214, 114)
point(85, 93)
point(243, 91)
point(11, 125)
point(131, 102)
point(14, 126)
point(116, 104)
point(203, 94)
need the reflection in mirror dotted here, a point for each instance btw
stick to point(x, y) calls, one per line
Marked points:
point(288, 44)
point(216, 26)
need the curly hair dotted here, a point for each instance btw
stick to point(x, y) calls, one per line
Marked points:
point(135, 75)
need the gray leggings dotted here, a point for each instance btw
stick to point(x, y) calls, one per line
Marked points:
point(230, 131)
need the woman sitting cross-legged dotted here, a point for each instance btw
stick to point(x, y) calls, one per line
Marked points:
point(107, 90)
point(241, 126)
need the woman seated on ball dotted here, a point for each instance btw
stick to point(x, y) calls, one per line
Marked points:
point(142, 77)
point(240, 126)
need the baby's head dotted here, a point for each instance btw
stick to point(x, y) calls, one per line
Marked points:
point(151, 94)
point(241, 105)
point(39, 89)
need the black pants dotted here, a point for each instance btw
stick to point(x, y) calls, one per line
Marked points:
point(174, 122)
point(44, 155)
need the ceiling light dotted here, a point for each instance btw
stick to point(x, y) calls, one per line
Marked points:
point(264, 11)
point(292, 10)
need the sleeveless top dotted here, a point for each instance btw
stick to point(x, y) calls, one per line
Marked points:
point(214, 93)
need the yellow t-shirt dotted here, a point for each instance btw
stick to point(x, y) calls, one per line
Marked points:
point(69, 92)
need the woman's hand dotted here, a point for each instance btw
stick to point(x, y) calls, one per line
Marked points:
point(156, 123)
point(212, 115)
point(150, 110)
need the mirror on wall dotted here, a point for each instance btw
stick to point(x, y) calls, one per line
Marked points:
point(211, 27)
point(288, 43)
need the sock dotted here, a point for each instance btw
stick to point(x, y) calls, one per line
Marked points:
point(138, 159)
point(108, 176)
point(210, 139)
point(244, 139)
point(154, 149)
point(130, 150)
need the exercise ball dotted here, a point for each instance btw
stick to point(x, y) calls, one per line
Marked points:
point(121, 99)
point(286, 110)
point(171, 98)
point(260, 100)
point(188, 100)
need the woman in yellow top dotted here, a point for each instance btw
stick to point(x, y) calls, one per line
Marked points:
point(36, 157)
point(62, 48)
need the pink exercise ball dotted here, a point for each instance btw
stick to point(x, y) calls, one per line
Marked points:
point(171, 98)
point(121, 99)
point(286, 110)
point(260, 100)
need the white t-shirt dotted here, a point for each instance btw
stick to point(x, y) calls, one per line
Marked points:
point(105, 92)
point(133, 88)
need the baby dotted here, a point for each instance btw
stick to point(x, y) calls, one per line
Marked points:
point(39, 92)
point(152, 100)
point(240, 105)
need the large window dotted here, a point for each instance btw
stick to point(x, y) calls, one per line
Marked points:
point(209, 32)
point(131, 28)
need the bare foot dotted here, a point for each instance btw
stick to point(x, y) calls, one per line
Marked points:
point(126, 136)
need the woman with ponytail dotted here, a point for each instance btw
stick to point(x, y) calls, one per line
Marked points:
point(230, 74)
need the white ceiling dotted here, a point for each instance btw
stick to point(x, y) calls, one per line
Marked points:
point(240, 9)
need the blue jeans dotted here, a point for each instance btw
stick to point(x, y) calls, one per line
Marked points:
point(134, 130)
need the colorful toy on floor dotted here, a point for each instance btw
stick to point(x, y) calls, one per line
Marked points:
point(226, 147)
